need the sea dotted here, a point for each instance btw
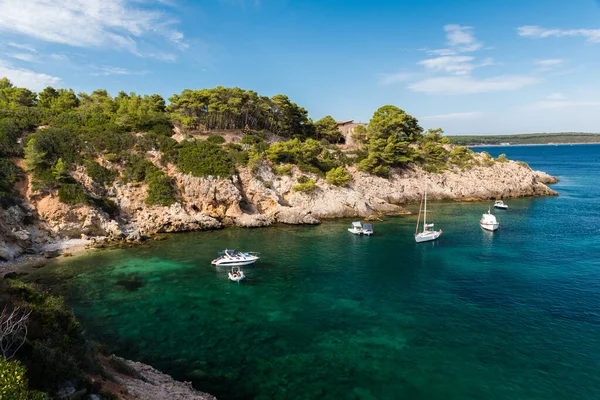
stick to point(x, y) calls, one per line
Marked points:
point(325, 314)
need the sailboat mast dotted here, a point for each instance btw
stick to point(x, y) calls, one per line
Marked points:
point(425, 209)
point(419, 218)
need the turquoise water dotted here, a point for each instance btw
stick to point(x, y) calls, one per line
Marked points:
point(329, 315)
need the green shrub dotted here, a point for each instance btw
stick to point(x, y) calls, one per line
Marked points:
point(55, 349)
point(13, 383)
point(215, 139)
point(236, 154)
point(338, 177)
point(8, 176)
point(203, 158)
point(107, 205)
point(160, 189)
point(303, 179)
point(285, 169)
point(461, 157)
point(72, 193)
point(136, 168)
point(308, 187)
point(99, 174)
point(251, 139)
point(502, 158)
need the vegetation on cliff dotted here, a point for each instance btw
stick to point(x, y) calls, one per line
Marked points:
point(50, 350)
point(61, 134)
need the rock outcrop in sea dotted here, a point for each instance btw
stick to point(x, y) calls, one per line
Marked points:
point(252, 198)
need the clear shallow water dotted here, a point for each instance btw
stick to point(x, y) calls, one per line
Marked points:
point(325, 314)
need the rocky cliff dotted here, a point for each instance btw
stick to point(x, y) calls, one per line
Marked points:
point(251, 199)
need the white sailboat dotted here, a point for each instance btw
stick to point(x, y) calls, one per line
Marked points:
point(427, 234)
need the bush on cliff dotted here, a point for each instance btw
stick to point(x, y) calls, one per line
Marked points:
point(338, 177)
point(55, 349)
point(8, 176)
point(285, 169)
point(14, 383)
point(72, 193)
point(160, 189)
point(99, 174)
point(202, 158)
point(309, 186)
point(215, 139)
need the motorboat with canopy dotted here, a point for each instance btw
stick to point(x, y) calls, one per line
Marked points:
point(500, 204)
point(230, 258)
point(359, 229)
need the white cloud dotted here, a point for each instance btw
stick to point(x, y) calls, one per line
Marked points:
point(27, 78)
point(462, 38)
point(541, 105)
point(88, 23)
point(556, 96)
point(458, 65)
point(390, 79)
point(107, 70)
point(58, 57)
point(549, 62)
point(23, 56)
point(453, 116)
point(25, 47)
point(537, 32)
point(468, 85)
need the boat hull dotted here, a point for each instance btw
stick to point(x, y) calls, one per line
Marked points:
point(490, 227)
point(427, 236)
point(354, 231)
point(230, 263)
point(504, 207)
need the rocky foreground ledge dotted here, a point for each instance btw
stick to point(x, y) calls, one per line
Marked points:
point(131, 380)
point(251, 199)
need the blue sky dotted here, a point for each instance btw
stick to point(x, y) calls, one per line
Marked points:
point(468, 66)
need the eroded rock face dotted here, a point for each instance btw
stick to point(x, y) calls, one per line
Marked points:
point(261, 198)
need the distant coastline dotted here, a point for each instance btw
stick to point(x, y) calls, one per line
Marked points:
point(526, 139)
point(533, 144)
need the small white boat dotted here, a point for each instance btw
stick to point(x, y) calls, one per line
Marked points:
point(488, 222)
point(500, 204)
point(235, 258)
point(356, 229)
point(236, 274)
point(428, 233)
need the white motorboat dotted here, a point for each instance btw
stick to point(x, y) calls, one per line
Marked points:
point(236, 274)
point(428, 233)
point(232, 258)
point(356, 229)
point(359, 229)
point(500, 204)
point(488, 222)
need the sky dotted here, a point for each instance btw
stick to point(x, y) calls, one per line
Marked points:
point(467, 66)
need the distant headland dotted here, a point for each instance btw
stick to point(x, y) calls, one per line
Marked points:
point(526, 138)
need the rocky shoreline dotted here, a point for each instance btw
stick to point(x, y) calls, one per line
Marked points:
point(41, 224)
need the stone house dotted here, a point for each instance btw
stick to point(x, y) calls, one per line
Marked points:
point(347, 128)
